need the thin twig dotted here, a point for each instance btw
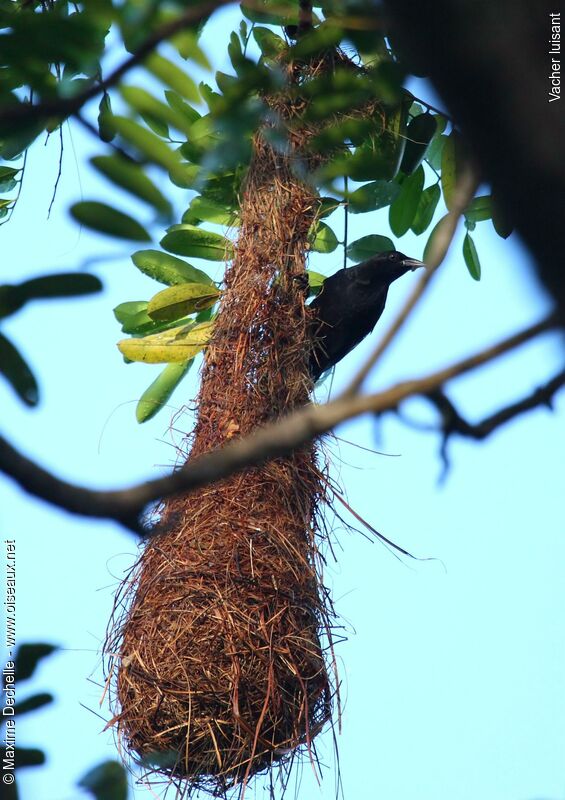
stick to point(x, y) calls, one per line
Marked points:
point(59, 171)
point(454, 423)
point(443, 237)
point(432, 108)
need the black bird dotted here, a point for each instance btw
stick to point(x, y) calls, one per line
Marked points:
point(350, 304)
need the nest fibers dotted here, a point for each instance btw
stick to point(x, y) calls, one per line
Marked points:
point(220, 657)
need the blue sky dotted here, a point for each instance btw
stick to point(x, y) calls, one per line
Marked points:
point(453, 675)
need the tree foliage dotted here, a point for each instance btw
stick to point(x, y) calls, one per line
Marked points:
point(167, 123)
point(170, 127)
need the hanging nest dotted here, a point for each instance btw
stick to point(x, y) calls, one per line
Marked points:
point(220, 652)
point(221, 663)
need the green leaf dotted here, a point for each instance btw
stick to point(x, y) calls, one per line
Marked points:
point(28, 657)
point(479, 209)
point(227, 83)
point(159, 392)
point(175, 345)
point(419, 134)
point(372, 196)
point(172, 76)
point(205, 131)
point(367, 246)
point(125, 311)
point(167, 269)
point(178, 104)
point(107, 781)
point(7, 178)
point(28, 757)
point(135, 320)
point(271, 12)
point(441, 123)
point(186, 43)
point(63, 284)
point(431, 238)
point(141, 324)
point(393, 139)
point(268, 42)
point(206, 210)
point(379, 157)
point(435, 151)
point(33, 703)
point(17, 372)
point(449, 169)
point(327, 206)
point(416, 109)
point(322, 38)
point(325, 240)
point(105, 119)
point(155, 113)
point(105, 219)
point(403, 210)
point(11, 146)
point(315, 281)
point(131, 177)
point(210, 97)
point(185, 175)
point(223, 189)
point(156, 124)
point(188, 240)
point(178, 301)
point(147, 143)
point(235, 51)
point(426, 208)
point(70, 284)
point(500, 220)
point(471, 258)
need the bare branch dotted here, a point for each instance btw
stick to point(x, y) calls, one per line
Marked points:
point(454, 423)
point(275, 440)
point(445, 232)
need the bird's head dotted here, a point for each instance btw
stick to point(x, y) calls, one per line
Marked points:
point(389, 266)
point(394, 259)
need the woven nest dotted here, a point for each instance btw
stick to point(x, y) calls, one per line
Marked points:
point(220, 665)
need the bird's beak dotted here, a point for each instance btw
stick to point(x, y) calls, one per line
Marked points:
point(413, 263)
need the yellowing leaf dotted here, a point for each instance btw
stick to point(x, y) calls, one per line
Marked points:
point(180, 300)
point(172, 346)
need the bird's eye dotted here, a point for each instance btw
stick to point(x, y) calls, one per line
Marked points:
point(392, 256)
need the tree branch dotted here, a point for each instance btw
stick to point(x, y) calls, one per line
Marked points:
point(66, 107)
point(454, 423)
point(278, 439)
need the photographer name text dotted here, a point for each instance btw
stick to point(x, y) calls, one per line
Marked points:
point(555, 49)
